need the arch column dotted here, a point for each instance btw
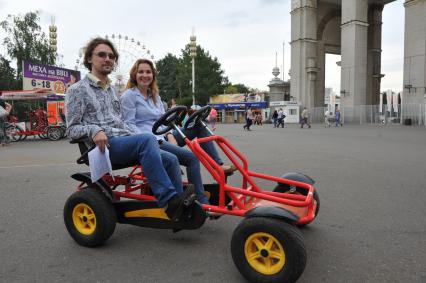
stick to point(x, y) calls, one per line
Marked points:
point(303, 51)
point(415, 52)
point(354, 52)
point(374, 55)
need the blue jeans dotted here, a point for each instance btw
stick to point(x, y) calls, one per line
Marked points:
point(199, 132)
point(192, 164)
point(160, 167)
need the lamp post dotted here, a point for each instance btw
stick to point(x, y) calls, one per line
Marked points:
point(193, 53)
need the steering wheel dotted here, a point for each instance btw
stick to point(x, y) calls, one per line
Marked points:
point(197, 116)
point(176, 115)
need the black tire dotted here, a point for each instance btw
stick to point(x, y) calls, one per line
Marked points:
point(64, 131)
point(285, 188)
point(12, 132)
point(90, 203)
point(54, 133)
point(252, 256)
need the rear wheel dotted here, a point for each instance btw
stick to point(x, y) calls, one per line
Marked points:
point(90, 217)
point(285, 188)
point(268, 250)
point(14, 132)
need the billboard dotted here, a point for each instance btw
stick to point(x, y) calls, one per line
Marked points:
point(238, 97)
point(39, 76)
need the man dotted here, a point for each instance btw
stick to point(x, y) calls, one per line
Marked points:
point(305, 117)
point(281, 117)
point(93, 109)
point(4, 139)
point(249, 119)
point(338, 118)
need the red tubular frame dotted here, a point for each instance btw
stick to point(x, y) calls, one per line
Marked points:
point(243, 199)
point(250, 191)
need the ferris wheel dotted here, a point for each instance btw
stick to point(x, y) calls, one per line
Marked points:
point(129, 50)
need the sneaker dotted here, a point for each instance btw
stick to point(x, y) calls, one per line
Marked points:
point(176, 205)
point(228, 168)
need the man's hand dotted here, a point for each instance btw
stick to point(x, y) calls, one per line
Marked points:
point(101, 140)
point(8, 107)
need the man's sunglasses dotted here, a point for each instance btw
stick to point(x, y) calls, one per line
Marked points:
point(103, 55)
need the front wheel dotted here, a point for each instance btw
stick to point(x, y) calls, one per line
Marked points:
point(268, 250)
point(54, 133)
point(90, 217)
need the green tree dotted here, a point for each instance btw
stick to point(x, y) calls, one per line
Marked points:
point(26, 41)
point(167, 69)
point(231, 89)
point(241, 88)
point(209, 77)
point(7, 75)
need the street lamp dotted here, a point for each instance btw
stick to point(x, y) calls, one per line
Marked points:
point(193, 53)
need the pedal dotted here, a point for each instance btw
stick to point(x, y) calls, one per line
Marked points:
point(190, 200)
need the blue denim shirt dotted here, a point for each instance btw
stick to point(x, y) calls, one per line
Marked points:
point(90, 108)
point(139, 113)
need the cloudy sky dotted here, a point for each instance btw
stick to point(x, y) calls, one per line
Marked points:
point(243, 35)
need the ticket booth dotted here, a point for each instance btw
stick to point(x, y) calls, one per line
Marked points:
point(291, 110)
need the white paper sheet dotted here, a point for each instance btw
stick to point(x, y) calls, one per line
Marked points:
point(99, 163)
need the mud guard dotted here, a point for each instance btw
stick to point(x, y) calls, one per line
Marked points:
point(99, 185)
point(273, 212)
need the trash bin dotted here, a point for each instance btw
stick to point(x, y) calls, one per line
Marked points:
point(407, 122)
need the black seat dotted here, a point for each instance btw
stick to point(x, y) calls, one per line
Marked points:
point(86, 145)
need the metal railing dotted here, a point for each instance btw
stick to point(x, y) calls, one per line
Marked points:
point(408, 114)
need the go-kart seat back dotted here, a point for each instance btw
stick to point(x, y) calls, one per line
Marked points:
point(86, 145)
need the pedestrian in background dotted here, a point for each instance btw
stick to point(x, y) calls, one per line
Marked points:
point(4, 139)
point(304, 118)
point(213, 118)
point(275, 118)
point(281, 117)
point(327, 117)
point(338, 116)
point(249, 119)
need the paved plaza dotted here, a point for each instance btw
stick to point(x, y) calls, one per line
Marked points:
point(371, 226)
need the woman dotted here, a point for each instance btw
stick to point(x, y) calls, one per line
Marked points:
point(213, 118)
point(142, 106)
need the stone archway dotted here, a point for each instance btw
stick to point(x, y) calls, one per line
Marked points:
point(346, 27)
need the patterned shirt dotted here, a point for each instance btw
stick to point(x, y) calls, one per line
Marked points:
point(90, 107)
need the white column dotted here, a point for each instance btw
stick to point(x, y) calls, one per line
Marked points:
point(303, 49)
point(354, 52)
point(415, 51)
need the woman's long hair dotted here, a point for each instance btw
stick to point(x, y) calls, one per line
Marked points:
point(132, 80)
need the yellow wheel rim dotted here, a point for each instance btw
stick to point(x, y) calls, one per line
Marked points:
point(84, 219)
point(264, 253)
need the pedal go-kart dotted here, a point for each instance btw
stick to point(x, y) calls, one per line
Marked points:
point(266, 246)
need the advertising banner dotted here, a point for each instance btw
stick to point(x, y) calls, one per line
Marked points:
point(38, 76)
point(238, 97)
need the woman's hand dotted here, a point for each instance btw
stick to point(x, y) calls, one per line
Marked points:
point(171, 139)
point(101, 140)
